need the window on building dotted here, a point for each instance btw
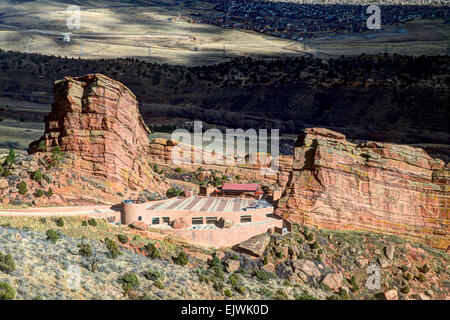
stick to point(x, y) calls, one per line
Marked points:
point(155, 221)
point(246, 218)
point(198, 220)
point(166, 219)
point(140, 218)
point(111, 219)
point(211, 220)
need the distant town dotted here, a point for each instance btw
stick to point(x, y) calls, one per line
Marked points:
point(299, 20)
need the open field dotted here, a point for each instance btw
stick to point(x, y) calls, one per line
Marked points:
point(153, 32)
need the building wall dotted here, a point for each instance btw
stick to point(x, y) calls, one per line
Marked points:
point(225, 237)
point(132, 212)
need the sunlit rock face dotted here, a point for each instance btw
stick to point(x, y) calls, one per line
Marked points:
point(368, 186)
point(96, 122)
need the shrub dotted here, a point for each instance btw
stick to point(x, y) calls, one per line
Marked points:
point(59, 222)
point(57, 156)
point(237, 177)
point(153, 252)
point(7, 263)
point(304, 296)
point(85, 249)
point(178, 169)
point(129, 282)
point(228, 293)
point(235, 279)
point(50, 191)
point(22, 188)
point(42, 146)
point(240, 289)
point(84, 223)
point(405, 290)
point(11, 158)
point(287, 283)
point(281, 295)
point(37, 176)
point(113, 248)
point(158, 284)
point(218, 285)
point(181, 259)
point(92, 222)
point(424, 269)
point(153, 275)
point(407, 276)
point(122, 238)
point(261, 275)
point(43, 220)
point(355, 286)
point(6, 173)
point(421, 277)
point(39, 193)
point(266, 260)
point(6, 291)
point(215, 262)
point(218, 273)
point(174, 192)
point(203, 278)
point(309, 236)
point(53, 235)
point(315, 245)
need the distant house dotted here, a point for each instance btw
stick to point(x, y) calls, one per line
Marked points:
point(66, 37)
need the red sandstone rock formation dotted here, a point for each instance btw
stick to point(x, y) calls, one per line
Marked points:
point(96, 121)
point(373, 186)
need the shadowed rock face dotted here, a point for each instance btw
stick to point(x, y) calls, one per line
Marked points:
point(96, 121)
point(371, 186)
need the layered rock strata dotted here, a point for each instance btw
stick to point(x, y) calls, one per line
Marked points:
point(372, 186)
point(96, 122)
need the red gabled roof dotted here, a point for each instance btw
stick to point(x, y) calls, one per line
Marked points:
point(247, 187)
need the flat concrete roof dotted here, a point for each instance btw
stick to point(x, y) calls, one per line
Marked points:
point(204, 204)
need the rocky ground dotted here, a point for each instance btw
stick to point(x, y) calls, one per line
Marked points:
point(304, 264)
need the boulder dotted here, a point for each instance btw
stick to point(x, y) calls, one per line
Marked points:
point(3, 183)
point(333, 281)
point(293, 250)
point(421, 296)
point(232, 265)
point(383, 262)
point(269, 267)
point(139, 225)
point(307, 267)
point(391, 295)
point(254, 246)
point(361, 262)
point(389, 251)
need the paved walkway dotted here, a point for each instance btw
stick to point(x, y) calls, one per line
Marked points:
point(66, 211)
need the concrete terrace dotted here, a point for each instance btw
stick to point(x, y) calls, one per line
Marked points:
point(204, 204)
